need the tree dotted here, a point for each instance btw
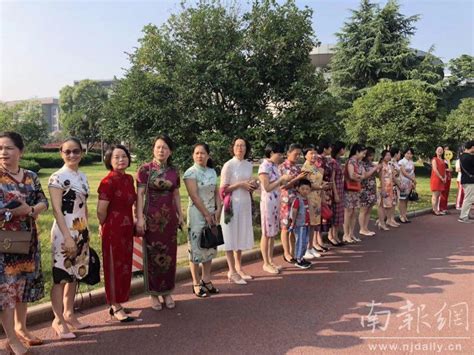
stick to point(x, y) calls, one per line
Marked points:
point(462, 68)
point(27, 119)
point(400, 113)
point(374, 44)
point(460, 84)
point(460, 124)
point(211, 73)
point(82, 110)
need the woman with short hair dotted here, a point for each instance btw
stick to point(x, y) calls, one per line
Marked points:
point(368, 193)
point(437, 180)
point(407, 182)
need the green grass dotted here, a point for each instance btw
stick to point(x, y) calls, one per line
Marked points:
point(96, 172)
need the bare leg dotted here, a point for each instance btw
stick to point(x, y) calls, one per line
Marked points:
point(435, 201)
point(21, 310)
point(403, 206)
point(264, 245)
point(194, 268)
point(69, 297)
point(291, 243)
point(270, 250)
point(347, 224)
point(57, 303)
point(285, 242)
point(8, 321)
point(206, 271)
point(238, 263)
point(353, 222)
point(230, 256)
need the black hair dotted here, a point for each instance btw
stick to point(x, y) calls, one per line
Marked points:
point(210, 163)
point(370, 151)
point(110, 151)
point(356, 148)
point(273, 148)
point(169, 142)
point(303, 182)
point(248, 147)
point(16, 138)
point(383, 154)
point(336, 148)
point(307, 149)
point(294, 146)
point(410, 149)
point(71, 139)
point(323, 144)
point(469, 144)
point(394, 151)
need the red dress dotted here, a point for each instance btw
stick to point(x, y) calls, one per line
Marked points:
point(436, 183)
point(117, 234)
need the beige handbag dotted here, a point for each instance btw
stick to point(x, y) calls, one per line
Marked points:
point(15, 242)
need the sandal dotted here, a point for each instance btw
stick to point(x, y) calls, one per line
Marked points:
point(113, 314)
point(211, 289)
point(202, 291)
point(155, 303)
point(169, 302)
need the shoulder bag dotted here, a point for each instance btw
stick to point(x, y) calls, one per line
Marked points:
point(16, 242)
point(211, 237)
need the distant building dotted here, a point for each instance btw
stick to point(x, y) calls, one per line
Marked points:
point(50, 106)
point(107, 84)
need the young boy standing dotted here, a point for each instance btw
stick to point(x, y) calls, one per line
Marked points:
point(300, 222)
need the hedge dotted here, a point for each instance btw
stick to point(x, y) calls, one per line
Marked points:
point(54, 160)
point(30, 165)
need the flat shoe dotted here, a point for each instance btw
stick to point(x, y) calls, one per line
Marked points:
point(270, 269)
point(30, 342)
point(169, 302)
point(156, 304)
point(236, 278)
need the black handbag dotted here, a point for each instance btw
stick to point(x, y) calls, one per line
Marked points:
point(93, 277)
point(211, 237)
point(413, 196)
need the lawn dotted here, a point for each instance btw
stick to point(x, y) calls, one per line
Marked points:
point(97, 171)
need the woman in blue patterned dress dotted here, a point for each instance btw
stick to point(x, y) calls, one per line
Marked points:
point(204, 209)
point(21, 278)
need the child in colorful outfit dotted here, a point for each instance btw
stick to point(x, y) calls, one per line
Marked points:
point(300, 222)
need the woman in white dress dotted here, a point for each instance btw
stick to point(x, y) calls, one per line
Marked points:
point(237, 185)
point(408, 182)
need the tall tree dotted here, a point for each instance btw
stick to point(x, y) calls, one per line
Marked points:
point(460, 124)
point(82, 110)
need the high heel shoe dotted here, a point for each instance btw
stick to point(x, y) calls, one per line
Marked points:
point(383, 227)
point(61, 335)
point(209, 287)
point(335, 244)
point(392, 225)
point(113, 314)
point(236, 278)
point(244, 276)
point(169, 302)
point(202, 292)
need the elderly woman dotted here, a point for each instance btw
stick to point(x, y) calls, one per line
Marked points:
point(287, 195)
point(437, 180)
point(69, 189)
point(386, 197)
point(21, 201)
point(117, 197)
point(354, 174)
point(368, 193)
point(270, 181)
point(337, 222)
point(158, 217)
point(407, 182)
point(236, 190)
point(204, 209)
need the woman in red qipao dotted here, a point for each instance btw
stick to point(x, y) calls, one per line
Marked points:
point(115, 213)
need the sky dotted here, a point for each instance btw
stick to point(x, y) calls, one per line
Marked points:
point(45, 45)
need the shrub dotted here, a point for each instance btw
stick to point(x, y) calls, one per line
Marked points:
point(54, 160)
point(30, 165)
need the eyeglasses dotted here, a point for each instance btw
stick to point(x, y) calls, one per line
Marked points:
point(74, 151)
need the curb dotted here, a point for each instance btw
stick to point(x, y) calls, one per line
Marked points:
point(43, 312)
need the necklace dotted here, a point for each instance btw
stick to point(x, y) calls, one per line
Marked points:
point(11, 172)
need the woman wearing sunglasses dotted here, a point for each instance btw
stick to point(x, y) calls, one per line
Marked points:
point(69, 189)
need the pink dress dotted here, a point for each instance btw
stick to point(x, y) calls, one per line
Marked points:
point(270, 201)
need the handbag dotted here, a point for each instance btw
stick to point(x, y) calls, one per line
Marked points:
point(211, 237)
point(16, 242)
point(351, 185)
point(326, 212)
point(413, 195)
point(93, 277)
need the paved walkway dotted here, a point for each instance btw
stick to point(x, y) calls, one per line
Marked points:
point(421, 274)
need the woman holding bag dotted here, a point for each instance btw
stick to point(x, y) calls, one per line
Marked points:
point(158, 217)
point(21, 201)
point(204, 209)
point(352, 186)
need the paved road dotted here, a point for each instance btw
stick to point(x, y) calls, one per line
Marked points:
point(421, 275)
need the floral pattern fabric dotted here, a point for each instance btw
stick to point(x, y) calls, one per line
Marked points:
point(386, 195)
point(206, 181)
point(368, 194)
point(287, 195)
point(406, 184)
point(270, 201)
point(117, 234)
point(21, 277)
point(315, 176)
point(352, 198)
point(75, 191)
point(160, 244)
point(338, 207)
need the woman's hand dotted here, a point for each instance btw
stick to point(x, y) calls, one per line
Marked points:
point(140, 226)
point(302, 175)
point(250, 186)
point(210, 219)
point(180, 221)
point(70, 246)
point(22, 210)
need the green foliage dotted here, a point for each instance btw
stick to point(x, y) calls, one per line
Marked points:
point(398, 113)
point(54, 160)
point(30, 165)
point(462, 68)
point(25, 118)
point(211, 74)
point(460, 123)
point(82, 110)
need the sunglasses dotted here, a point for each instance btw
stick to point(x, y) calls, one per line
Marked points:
point(74, 151)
